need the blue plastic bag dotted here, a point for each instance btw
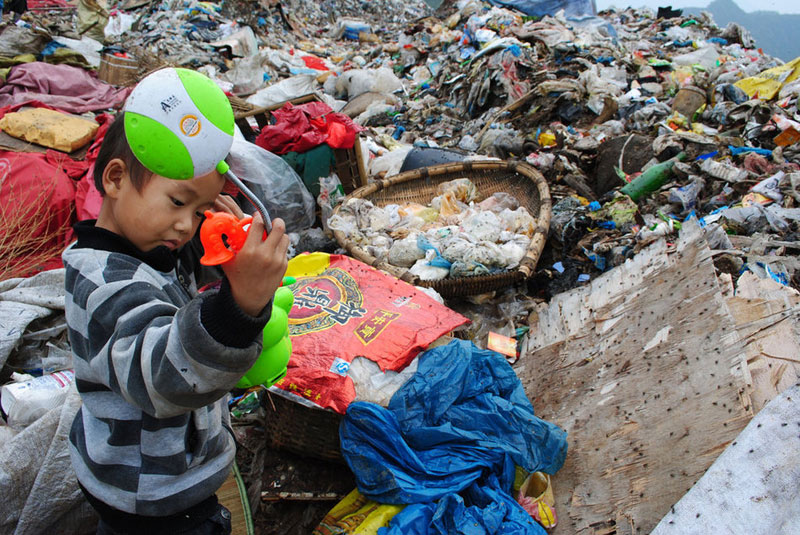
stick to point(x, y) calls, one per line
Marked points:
point(454, 431)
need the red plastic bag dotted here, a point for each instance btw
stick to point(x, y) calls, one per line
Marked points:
point(344, 308)
point(339, 137)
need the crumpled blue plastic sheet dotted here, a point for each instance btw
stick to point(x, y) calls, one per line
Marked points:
point(449, 441)
point(540, 8)
point(493, 511)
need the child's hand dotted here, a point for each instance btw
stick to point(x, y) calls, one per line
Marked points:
point(227, 204)
point(257, 269)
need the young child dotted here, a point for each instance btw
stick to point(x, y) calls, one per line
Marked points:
point(154, 360)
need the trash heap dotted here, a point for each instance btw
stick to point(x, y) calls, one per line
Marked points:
point(640, 121)
point(591, 101)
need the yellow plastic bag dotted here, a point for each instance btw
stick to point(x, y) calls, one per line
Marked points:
point(535, 495)
point(356, 514)
point(448, 204)
point(766, 84)
point(463, 189)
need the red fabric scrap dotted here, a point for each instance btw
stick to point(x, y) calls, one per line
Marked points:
point(87, 199)
point(36, 199)
point(301, 128)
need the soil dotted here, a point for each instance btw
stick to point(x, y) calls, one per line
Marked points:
point(289, 493)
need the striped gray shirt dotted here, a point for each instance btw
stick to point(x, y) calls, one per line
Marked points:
point(150, 438)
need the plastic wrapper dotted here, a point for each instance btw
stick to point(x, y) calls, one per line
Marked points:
point(247, 74)
point(756, 218)
point(447, 204)
point(519, 221)
point(284, 90)
point(724, 171)
point(705, 57)
point(27, 399)
point(405, 252)
point(771, 187)
point(119, 22)
point(512, 254)
point(427, 272)
point(687, 195)
point(343, 223)
point(484, 226)
point(655, 231)
point(456, 248)
point(389, 164)
point(463, 188)
point(331, 193)
point(487, 253)
point(275, 183)
point(425, 213)
point(380, 246)
point(498, 202)
point(374, 385)
point(467, 269)
point(357, 81)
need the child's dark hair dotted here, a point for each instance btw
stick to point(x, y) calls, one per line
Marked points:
point(115, 145)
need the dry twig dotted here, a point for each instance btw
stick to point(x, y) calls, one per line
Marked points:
point(30, 232)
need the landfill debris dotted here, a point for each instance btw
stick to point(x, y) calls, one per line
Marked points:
point(597, 102)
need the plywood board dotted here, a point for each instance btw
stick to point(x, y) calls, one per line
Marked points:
point(767, 317)
point(644, 370)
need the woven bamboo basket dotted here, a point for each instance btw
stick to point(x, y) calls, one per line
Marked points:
point(293, 426)
point(148, 64)
point(522, 181)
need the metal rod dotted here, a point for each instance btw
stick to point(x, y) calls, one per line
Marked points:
point(252, 198)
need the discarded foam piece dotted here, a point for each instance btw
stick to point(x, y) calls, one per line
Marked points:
point(50, 128)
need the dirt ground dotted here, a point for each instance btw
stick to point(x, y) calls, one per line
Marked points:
point(289, 494)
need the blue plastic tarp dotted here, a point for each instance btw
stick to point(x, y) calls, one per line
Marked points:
point(449, 441)
point(541, 8)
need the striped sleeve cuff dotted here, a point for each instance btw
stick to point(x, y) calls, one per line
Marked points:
point(227, 323)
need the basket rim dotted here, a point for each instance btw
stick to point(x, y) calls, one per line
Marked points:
point(449, 285)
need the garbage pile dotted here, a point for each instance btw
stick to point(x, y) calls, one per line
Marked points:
point(598, 102)
point(592, 101)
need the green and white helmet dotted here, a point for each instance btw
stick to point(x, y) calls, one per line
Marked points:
point(179, 124)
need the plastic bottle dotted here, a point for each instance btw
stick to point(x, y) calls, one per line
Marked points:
point(25, 401)
point(652, 179)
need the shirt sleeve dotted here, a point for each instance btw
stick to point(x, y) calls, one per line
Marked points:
point(164, 358)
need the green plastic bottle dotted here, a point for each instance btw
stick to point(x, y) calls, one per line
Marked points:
point(652, 179)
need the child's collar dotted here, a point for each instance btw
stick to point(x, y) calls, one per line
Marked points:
point(93, 237)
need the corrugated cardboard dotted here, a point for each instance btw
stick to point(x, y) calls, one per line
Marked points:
point(49, 128)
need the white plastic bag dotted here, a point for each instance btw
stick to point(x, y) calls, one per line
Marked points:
point(331, 193)
point(287, 89)
point(118, 23)
point(274, 182)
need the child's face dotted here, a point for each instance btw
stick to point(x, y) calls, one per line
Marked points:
point(165, 212)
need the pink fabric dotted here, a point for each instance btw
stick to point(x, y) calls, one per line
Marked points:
point(67, 88)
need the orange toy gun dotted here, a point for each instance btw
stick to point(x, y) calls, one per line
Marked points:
point(222, 236)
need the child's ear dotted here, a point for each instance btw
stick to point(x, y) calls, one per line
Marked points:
point(114, 175)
